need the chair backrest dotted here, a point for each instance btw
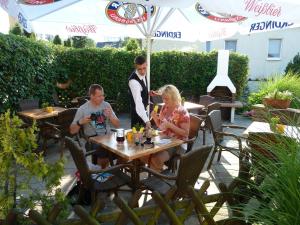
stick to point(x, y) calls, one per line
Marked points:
point(288, 117)
point(27, 104)
point(65, 118)
point(206, 100)
point(215, 123)
point(195, 124)
point(190, 167)
point(213, 106)
point(81, 100)
point(78, 156)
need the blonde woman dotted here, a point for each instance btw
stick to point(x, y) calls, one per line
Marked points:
point(173, 121)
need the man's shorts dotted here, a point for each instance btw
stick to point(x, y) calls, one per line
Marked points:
point(101, 152)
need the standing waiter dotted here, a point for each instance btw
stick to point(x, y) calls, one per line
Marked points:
point(138, 91)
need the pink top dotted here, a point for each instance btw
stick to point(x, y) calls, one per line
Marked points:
point(179, 116)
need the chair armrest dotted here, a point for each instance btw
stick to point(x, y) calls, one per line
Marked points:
point(112, 168)
point(53, 126)
point(157, 174)
point(189, 140)
point(234, 126)
point(90, 153)
point(228, 134)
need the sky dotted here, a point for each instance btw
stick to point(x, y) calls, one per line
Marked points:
point(4, 25)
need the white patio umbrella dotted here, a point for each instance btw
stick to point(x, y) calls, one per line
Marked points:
point(151, 19)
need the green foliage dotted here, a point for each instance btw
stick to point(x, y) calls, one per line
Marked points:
point(25, 71)
point(294, 65)
point(21, 166)
point(68, 43)
point(282, 95)
point(279, 201)
point(82, 42)
point(131, 45)
point(57, 40)
point(290, 82)
point(31, 70)
point(16, 30)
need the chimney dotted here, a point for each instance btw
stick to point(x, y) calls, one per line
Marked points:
point(222, 78)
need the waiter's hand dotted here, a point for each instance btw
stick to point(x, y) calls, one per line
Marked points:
point(148, 125)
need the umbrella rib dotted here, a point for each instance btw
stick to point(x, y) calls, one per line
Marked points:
point(155, 20)
point(137, 25)
point(182, 13)
point(137, 9)
point(164, 19)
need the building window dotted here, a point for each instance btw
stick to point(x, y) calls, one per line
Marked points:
point(274, 48)
point(208, 46)
point(230, 45)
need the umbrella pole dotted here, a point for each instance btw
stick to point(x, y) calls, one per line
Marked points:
point(148, 40)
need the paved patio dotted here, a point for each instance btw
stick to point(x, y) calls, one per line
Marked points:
point(223, 171)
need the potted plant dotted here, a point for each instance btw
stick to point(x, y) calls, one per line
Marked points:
point(46, 107)
point(278, 99)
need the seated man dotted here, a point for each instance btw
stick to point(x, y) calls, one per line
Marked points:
point(95, 116)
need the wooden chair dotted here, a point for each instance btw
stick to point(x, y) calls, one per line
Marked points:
point(262, 146)
point(205, 125)
point(287, 117)
point(205, 100)
point(190, 166)
point(89, 182)
point(58, 130)
point(216, 126)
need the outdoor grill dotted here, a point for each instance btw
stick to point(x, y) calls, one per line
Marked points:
point(222, 94)
point(221, 86)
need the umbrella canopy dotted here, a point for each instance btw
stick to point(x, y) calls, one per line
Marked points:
point(187, 20)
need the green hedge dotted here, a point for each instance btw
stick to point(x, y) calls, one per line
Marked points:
point(25, 71)
point(190, 72)
point(25, 62)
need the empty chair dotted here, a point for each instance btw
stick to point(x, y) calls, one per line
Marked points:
point(89, 178)
point(27, 104)
point(205, 125)
point(60, 129)
point(190, 167)
point(287, 116)
point(235, 146)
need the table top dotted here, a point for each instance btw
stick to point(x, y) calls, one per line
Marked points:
point(129, 151)
point(262, 127)
point(37, 114)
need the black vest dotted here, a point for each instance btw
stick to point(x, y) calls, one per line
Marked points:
point(135, 118)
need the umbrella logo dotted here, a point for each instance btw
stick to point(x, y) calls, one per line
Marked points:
point(127, 13)
point(218, 17)
point(37, 2)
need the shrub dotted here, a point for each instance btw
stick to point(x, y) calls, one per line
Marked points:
point(290, 82)
point(294, 65)
point(25, 71)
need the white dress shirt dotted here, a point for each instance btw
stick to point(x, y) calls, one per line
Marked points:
point(136, 90)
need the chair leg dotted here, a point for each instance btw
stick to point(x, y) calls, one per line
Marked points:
point(219, 155)
point(212, 158)
point(62, 146)
point(203, 136)
point(44, 146)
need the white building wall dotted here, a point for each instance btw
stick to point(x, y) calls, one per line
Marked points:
point(255, 46)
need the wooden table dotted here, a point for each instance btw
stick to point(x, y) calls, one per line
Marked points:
point(38, 114)
point(262, 127)
point(129, 151)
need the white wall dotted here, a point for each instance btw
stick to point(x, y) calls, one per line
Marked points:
point(255, 46)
